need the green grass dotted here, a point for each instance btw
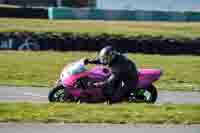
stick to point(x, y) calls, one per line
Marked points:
point(100, 113)
point(131, 28)
point(43, 68)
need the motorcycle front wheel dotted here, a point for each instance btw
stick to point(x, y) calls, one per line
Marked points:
point(59, 94)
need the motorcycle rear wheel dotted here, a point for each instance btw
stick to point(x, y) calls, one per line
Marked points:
point(139, 95)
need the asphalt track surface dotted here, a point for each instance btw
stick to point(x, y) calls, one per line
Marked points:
point(95, 128)
point(39, 95)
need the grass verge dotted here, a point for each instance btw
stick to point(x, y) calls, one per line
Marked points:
point(100, 113)
point(43, 68)
point(126, 28)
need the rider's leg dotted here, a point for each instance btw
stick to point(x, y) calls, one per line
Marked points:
point(123, 92)
point(119, 94)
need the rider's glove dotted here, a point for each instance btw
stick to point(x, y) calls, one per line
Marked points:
point(86, 61)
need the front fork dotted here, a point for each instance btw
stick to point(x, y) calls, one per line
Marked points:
point(58, 82)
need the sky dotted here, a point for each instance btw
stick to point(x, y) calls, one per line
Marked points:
point(173, 5)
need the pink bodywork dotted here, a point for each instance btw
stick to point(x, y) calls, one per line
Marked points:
point(146, 78)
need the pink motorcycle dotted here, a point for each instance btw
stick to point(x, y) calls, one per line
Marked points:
point(75, 85)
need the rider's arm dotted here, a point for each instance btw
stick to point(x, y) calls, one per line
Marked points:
point(110, 82)
point(95, 61)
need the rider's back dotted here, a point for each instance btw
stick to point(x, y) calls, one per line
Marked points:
point(125, 69)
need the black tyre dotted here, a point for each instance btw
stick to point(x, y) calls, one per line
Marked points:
point(60, 94)
point(30, 47)
point(154, 93)
point(147, 95)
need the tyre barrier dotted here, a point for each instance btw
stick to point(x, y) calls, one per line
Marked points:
point(85, 42)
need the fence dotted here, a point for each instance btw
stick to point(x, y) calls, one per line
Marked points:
point(138, 15)
point(46, 3)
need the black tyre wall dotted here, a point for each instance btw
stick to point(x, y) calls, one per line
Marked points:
point(23, 12)
point(85, 42)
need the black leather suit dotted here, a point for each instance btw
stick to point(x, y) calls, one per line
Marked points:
point(123, 70)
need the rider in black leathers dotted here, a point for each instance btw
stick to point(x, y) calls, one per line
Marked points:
point(123, 71)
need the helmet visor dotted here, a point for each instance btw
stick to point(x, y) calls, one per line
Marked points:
point(104, 59)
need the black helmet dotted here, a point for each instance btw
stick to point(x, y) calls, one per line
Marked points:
point(107, 54)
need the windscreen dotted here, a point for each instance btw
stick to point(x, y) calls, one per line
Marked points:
point(76, 68)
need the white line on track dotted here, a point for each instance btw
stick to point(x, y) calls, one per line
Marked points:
point(33, 94)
